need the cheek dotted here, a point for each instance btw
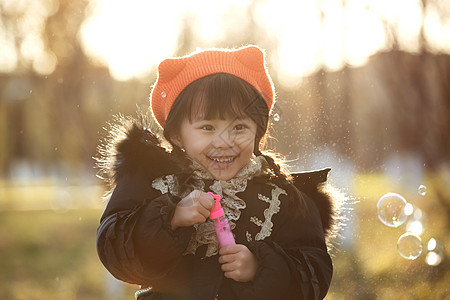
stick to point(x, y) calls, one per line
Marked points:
point(246, 141)
point(197, 148)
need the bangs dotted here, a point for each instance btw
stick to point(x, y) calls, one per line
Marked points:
point(221, 96)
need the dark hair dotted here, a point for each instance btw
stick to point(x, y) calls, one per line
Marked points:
point(222, 95)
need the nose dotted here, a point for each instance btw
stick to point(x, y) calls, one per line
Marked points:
point(224, 139)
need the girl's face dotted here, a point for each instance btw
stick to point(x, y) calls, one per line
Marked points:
point(222, 146)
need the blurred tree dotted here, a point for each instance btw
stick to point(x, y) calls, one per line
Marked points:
point(52, 120)
point(56, 98)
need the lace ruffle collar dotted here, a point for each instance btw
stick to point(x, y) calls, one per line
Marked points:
point(227, 189)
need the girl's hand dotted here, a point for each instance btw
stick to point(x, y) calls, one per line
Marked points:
point(192, 209)
point(238, 262)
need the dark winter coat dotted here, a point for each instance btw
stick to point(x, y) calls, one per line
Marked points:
point(136, 244)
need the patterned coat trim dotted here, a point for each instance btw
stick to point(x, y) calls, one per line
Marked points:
point(274, 207)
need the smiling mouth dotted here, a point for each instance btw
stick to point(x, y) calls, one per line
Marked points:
point(223, 160)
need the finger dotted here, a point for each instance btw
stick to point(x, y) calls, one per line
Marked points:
point(203, 211)
point(228, 267)
point(195, 195)
point(198, 218)
point(207, 201)
point(229, 258)
point(230, 249)
point(232, 275)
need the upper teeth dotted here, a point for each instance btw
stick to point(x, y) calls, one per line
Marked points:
point(222, 159)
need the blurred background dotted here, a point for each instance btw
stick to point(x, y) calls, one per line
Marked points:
point(363, 86)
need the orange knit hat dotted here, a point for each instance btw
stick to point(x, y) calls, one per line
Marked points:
point(174, 74)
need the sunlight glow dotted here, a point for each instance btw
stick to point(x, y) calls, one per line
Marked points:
point(409, 24)
point(364, 35)
point(8, 57)
point(45, 63)
point(297, 30)
point(437, 32)
point(31, 49)
point(212, 20)
point(405, 17)
point(333, 31)
point(132, 37)
point(32, 45)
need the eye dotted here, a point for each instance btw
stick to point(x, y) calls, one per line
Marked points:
point(240, 127)
point(207, 128)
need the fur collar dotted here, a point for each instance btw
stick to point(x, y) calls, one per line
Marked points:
point(132, 147)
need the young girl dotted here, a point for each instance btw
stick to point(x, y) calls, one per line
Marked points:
point(213, 107)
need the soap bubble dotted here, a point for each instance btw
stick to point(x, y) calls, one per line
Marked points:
point(409, 246)
point(391, 210)
point(276, 117)
point(422, 190)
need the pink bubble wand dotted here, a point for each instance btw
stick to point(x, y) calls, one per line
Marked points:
point(221, 225)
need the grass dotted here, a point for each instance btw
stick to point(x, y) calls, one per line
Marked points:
point(49, 255)
point(49, 252)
